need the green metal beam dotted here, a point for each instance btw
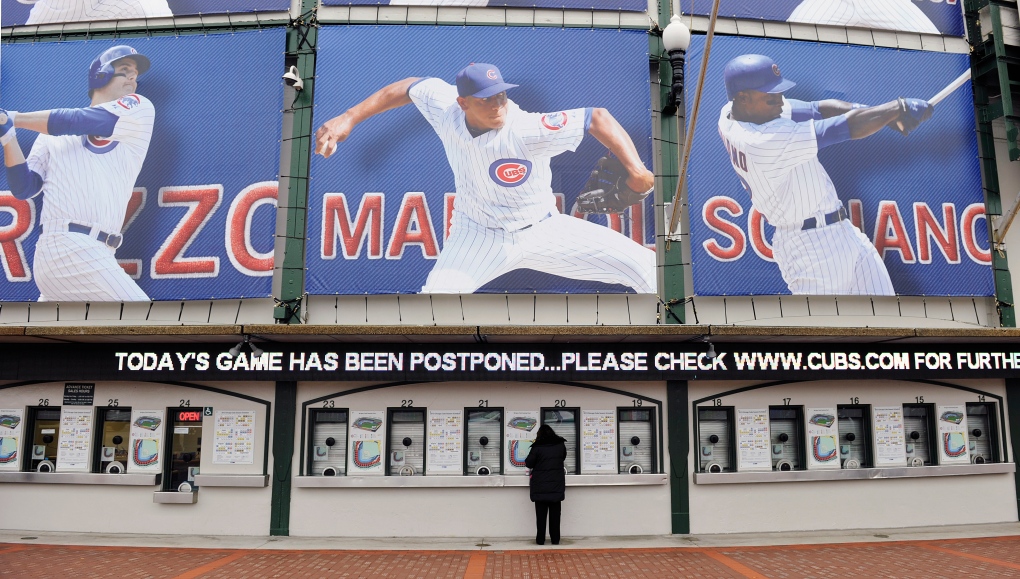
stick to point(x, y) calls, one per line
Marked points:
point(283, 453)
point(678, 431)
point(302, 39)
point(672, 291)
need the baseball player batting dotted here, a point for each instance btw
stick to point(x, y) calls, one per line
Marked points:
point(887, 14)
point(773, 145)
point(48, 11)
point(85, 161)
point(505, 215)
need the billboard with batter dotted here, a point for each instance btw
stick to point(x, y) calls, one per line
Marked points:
point(923, 16)
point(32, 12)
point(835, 169)
point(133, 176)
point(629, 5)
point(497, 160)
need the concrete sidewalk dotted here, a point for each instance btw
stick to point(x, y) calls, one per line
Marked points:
point(515, 543)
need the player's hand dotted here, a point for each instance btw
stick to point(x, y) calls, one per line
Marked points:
point(7, 133)
point(642, 181)
point(332, 133)
point(913, 112)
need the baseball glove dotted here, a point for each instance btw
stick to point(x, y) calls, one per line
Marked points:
point(606, 190)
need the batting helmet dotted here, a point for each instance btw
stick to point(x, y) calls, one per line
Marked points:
point(754, 72)
point(101, 71)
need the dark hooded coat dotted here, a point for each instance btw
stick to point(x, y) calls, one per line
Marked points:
point(548, 479)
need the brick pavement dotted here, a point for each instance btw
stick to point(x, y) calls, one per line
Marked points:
point(985, 557)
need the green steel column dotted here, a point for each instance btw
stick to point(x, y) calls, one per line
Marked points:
point(982, 56)
point(283, 455)
point(1012, 403)
point(667, 177)
point(678, 433)
point(302, 36)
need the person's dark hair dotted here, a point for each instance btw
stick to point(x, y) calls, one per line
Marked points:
point(546, 435)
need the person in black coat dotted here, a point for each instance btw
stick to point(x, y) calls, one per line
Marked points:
point(548, 481)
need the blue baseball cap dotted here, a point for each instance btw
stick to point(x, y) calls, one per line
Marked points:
point(754, 72)
point(481, 80)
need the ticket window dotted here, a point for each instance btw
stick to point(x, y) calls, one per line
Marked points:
point(406, 436)
point(983, 432)
point(44, 424)
point(328, 452)
point(918, 426)
point(715, 439)
point(564, 422)
point(483, 441)
point(637, 441)
point(113, 435)
point(854, 424)
point(787, 432)
point(185, 449)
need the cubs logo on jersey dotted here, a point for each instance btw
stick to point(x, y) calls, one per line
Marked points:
point(129, 101)
point(510, 172)
point(554, 121)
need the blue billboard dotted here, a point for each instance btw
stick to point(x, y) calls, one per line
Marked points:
point(32, 12)
point(923, 16)
point(158, 178)
point(835, 169)
point(625, 5)
point(455, 167)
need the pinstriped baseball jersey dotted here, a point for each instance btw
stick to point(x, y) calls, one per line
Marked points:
point(46, 11)
point(886, 14)
point(88, 180)
point(777, 162)
point(439, 2)
point(503, 177)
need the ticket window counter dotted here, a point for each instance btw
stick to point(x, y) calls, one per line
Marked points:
point(787, 432)
point(406, 440)
point(483, 438)
point(918, 427)
point(983, 432)
point(566, 423)
point(636, 441)
point(41, 453)
point(184, 449)
point(113, 435)
point(328, 452)
point(854, 425)
point(715, 440)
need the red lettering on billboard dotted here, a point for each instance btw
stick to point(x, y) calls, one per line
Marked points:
point(367, 226)
point(756, 229)
point(968, 223)
point(133, 267)
point(12, 252)
point(413, 227)
point(890, 233)
point(448, 201)
point(240, 250)
point(856, 213)
point(711, 214)
point(928, 228)
point(169, 261)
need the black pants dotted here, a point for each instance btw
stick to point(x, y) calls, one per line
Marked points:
point(552, 509)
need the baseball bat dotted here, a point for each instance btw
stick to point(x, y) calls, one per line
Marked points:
point(942, 94)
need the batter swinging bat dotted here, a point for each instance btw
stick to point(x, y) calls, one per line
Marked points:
point(942, 94)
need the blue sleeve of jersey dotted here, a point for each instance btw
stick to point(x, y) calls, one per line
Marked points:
point(24, 182)
point(801, 111)
point(832, 131)
point(587, 118)
point(91, 121)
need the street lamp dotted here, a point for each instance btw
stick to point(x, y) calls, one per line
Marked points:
point(676, 37)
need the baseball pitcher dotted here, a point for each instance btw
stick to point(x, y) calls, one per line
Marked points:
point(773, 145)
point(85, 161)
point(505, 216)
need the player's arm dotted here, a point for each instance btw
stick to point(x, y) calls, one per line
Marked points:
point(338, 129)
point(608, 131)
point(84, 121)
point(23, 181)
